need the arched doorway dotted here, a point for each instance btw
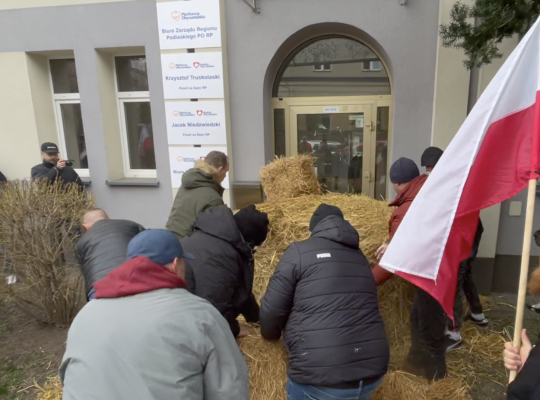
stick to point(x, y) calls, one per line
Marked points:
point(332, 98)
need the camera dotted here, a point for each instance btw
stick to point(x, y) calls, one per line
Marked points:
point(69, 163)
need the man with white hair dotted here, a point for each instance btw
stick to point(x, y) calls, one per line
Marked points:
point(103, 247)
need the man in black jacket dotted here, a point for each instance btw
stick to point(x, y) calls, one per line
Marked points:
point(324, 296)
point(103, 247)
point(54, 168)
point(223, 268)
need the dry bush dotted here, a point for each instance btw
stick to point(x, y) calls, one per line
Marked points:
point(38, 231)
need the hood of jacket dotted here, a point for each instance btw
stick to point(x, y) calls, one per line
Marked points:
point(338, 230)
point(201, 176)
point(410, 191)
point(219, 222)
point(135, 276)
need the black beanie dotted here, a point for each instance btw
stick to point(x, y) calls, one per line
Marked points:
point(404, 170)
point(253, 225)
point(431, 157)
point(323, 211)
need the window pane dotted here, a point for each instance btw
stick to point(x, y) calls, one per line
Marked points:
point(64, 76)
point(337, 142)
point(279, 131)
point(140, 137)
point(131, 74)
point(351, 69)
point(381, 159)
point(74, 135)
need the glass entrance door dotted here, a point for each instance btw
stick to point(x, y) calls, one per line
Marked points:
point(341, 137)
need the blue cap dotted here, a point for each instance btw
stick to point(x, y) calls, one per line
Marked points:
point(404, 170)
point(158, 245)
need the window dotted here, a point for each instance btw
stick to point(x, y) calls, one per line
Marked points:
point(322, 67)
point(372, 66)
point(135, 117)
point(67, 107)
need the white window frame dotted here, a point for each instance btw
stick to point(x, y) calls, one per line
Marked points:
point(130, 97)
point(58, 100)
point(371, 69)
point(322, 69)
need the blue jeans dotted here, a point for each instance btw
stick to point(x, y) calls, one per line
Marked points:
point(295, 391)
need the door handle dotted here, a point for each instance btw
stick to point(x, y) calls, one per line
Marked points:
point(368, 176)
point(370, 126)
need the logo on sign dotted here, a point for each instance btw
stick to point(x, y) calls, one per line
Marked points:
point(172, 66)
point(184, 159)
point(176, 15)
point(200, 112)
point(178, 172)
point(196, 64)
point(176, 113)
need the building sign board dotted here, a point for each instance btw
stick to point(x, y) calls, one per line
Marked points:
point(192, 76)
point(189, 24)
point(183, 158)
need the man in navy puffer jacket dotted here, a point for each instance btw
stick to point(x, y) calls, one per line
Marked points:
point(324, 296)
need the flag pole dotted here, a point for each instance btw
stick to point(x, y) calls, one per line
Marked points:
point(524, 273)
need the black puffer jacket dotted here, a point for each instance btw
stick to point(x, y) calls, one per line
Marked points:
point(324, 295)
point(104, 247)
point(222, 271)
point(49, 171)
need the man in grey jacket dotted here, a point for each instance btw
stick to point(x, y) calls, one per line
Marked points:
point(145, 337)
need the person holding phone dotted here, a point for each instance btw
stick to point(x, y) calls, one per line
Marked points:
point(53, 167)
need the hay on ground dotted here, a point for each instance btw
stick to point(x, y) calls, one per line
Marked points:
point(52, 390)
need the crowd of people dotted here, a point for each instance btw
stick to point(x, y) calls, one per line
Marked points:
point(163, 304)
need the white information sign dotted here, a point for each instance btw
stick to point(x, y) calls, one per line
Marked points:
point(183, 158)
point(189, 24)
point(192, 76)
point(331, 109)
point(196, 122)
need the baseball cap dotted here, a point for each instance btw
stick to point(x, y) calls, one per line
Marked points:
point(404, 170)
point(49, 147)
point(158, 245)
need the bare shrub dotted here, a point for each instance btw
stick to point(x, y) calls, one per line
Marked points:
point(39, 228)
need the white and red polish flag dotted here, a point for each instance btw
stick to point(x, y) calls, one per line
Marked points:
point(492, 158)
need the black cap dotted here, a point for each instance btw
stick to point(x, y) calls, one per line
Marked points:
point(323, 211)
point(404, 170)
point(49, 148)
point(253, 225)
point(431, 157)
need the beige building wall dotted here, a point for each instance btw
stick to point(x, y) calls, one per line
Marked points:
point(18, 129)
point(491, 216)
point(451, 87)
point(12, 4)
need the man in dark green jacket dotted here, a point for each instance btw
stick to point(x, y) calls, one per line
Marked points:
point(201, 189)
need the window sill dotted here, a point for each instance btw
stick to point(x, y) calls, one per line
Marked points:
point(86, 181)
point(148, 182)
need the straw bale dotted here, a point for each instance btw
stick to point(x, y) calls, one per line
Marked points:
point(399, 385)
point(290, 177)
point(267, 363)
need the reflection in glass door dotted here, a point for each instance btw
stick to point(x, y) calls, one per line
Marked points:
point(340, 141)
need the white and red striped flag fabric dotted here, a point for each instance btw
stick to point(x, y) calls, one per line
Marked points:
point(492, 158)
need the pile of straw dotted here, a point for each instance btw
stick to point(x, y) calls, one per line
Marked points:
point(52, 390)
point(292, 199)
point(289, 177)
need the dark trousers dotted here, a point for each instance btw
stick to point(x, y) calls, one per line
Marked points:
point(428, 323)
point(469, 288)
